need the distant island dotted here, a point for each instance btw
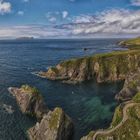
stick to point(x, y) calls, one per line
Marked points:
point(25, 38)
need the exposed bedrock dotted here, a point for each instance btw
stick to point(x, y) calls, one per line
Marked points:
point(56, 125)
point(29, 100)
point(51, 125)
point(131, 86)
point(102, 67)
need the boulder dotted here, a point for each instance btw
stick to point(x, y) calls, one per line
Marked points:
point(55, 125)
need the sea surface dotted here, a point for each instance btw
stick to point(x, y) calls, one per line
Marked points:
point(90, 105)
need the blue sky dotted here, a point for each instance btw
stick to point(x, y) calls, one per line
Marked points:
point(69, 18)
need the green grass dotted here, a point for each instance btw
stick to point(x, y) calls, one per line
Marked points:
point(29, 89)
point(136, 98)
point(132, 43)
point(118, 115)
point(55, 118)
point(130, 130)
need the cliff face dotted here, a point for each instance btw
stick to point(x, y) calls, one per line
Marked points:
point(103, 67)
point(55, 125)
point(131, 86)
point(30, 101)
point(51, 125)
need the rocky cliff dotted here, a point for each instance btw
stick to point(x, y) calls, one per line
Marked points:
point(56, 125)
point(29, 100)
point(102, 67)
point(51, 125)
point(131, 86)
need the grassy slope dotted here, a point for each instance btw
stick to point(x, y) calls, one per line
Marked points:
point(129, 130)
point(132, 43)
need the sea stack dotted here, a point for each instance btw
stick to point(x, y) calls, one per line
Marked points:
point(29, 100)
point(56, 125)
point(51, 125)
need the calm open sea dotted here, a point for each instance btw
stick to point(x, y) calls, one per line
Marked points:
point(90, 105)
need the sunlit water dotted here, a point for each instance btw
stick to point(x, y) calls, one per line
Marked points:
point(90, 105)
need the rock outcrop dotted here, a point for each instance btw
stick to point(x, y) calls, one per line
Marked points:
point(131, 86)
point(51, 125)
point(102, 67)
point(56, 125)
point(30, 101)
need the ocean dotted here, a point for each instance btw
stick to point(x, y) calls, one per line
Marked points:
point(90, 105)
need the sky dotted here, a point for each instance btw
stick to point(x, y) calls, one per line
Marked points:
point(69, 18)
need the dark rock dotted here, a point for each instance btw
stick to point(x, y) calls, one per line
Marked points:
point(30, 101)
point(56, 125)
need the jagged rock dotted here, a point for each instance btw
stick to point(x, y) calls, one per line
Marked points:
point(131, 86)
point(102, 68)
point(29, 100)
point(56, 125)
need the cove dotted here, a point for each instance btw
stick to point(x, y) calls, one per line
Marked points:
point(90, 105)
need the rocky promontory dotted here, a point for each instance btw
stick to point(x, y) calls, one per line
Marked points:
point(102, 67)
point(131, 43)
point(51, 125)
point(55, 125)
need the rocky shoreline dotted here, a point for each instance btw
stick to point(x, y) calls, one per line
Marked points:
point(108, 67)
point(51, 125)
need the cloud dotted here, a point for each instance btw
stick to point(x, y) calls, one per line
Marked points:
point(25, 0)
point(36, 31)
point(117, 21)
point(5, 7)
point(65, 14)
point(20, 13)
point(135, 2)
point(56, 16)
point(110, 23)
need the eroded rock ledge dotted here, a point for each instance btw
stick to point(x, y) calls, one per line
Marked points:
point(102, 67)
point(51, 125)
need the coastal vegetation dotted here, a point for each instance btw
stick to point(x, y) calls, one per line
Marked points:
point(114, 66)
point(131, 43)
point(102, 67)
point(53, 125)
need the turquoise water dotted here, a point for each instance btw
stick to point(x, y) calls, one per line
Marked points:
point(90, 105)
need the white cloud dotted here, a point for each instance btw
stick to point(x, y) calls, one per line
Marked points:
point(108, 22)
point(20, 13)
point(57, 16)
point(65, 14)
point(135, 2)
point(37, 31)
point(5, 7)
point(25, 0)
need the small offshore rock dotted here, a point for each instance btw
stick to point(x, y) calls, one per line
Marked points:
point(55, 125)
point(29, 100)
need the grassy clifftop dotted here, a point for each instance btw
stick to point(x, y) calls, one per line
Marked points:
point(102, 67)
point(131, 43)
point(125, 124)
